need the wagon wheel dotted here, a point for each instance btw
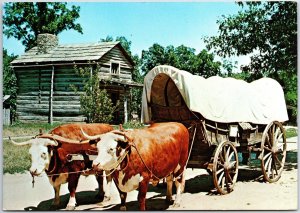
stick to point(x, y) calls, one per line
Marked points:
point(225, 167)
point(273, 151)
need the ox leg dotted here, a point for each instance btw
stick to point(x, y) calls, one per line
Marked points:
point(56, 201)
point(180, 184)
point(123, 196)
point(169, 180)
point(100, 194)
point(143, 188)
point(107, 196)
point(73, 182)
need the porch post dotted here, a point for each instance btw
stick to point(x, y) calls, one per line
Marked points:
point(51, 97)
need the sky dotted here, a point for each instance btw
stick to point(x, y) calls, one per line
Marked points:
point(145, 23)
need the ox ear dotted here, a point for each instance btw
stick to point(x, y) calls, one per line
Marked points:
point(94, 142)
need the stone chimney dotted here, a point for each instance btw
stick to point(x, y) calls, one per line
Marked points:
point(46, 42)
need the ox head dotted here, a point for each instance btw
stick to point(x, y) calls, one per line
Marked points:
point(40, 154)
point(111, 147)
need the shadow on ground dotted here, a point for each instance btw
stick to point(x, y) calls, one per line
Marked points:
point(197, 184)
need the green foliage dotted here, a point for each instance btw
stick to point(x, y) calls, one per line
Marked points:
point(291, 132)
point(181, 57)
point(268, 31)
point(25, 20)
point(133, 125)
point(95, 103)
point(10, 82)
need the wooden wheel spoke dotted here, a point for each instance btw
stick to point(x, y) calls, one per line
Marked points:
point(224, 154)
point(220, 170)
point(223, 182)
point(276, 133)
point(227, 183)
point(268, 141)
point(277, 160)
point(220, 178)
point(220, 164)
point(267, 148)
point(229, 177)
point(230, 156)
point(269, 165)
point(232, 164)
point(221, 158)
point(275, 168)
point(267, 155)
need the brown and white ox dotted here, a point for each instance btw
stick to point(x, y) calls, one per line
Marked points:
point(144, 155)
point(49, 153)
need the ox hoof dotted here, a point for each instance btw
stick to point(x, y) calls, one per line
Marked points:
point(176, 205)
point(106, 198)
point(123, 208)
point(100, 197)
point(70, 208)
point(54, 207)
point(169, 201)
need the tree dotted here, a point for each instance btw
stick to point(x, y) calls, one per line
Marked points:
point(95, 103)
point(268, 31)
point(10, 82)
point(25, 20)
point(181, 57)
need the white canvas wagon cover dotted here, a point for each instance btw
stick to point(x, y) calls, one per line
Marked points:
point(218, 99)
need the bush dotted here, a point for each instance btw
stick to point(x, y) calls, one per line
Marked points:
point(95, 103)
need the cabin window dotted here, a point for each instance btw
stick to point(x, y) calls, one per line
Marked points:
point(115, 68)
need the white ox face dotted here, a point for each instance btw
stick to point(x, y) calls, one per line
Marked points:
point(40, 157)
point(107, 152)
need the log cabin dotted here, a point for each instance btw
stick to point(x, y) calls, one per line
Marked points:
point(45, 73)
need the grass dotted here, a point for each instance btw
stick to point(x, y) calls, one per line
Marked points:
point(291, 132)
point(16, 159)
point(27, 129)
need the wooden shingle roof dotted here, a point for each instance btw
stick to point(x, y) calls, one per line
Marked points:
point(68, 53)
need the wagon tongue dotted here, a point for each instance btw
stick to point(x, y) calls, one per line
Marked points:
point(33, 181)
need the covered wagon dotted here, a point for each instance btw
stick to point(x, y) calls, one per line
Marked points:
point(225, 116)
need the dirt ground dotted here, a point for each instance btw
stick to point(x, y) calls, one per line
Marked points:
point(250, 192)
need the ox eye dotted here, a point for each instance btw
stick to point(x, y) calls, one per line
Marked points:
point(110, 151)
point(43, 155)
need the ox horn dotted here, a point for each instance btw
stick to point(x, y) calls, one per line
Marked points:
point(90, 137)
point(21, 143)
point(118, 132)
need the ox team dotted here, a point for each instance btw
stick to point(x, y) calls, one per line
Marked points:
point(48, 155)
point(131, 156)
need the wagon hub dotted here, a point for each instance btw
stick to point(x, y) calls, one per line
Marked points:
point(227, 165)
point(274, 150)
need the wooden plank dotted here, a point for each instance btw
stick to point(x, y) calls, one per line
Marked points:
point(69, 119)
point(33, 118)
